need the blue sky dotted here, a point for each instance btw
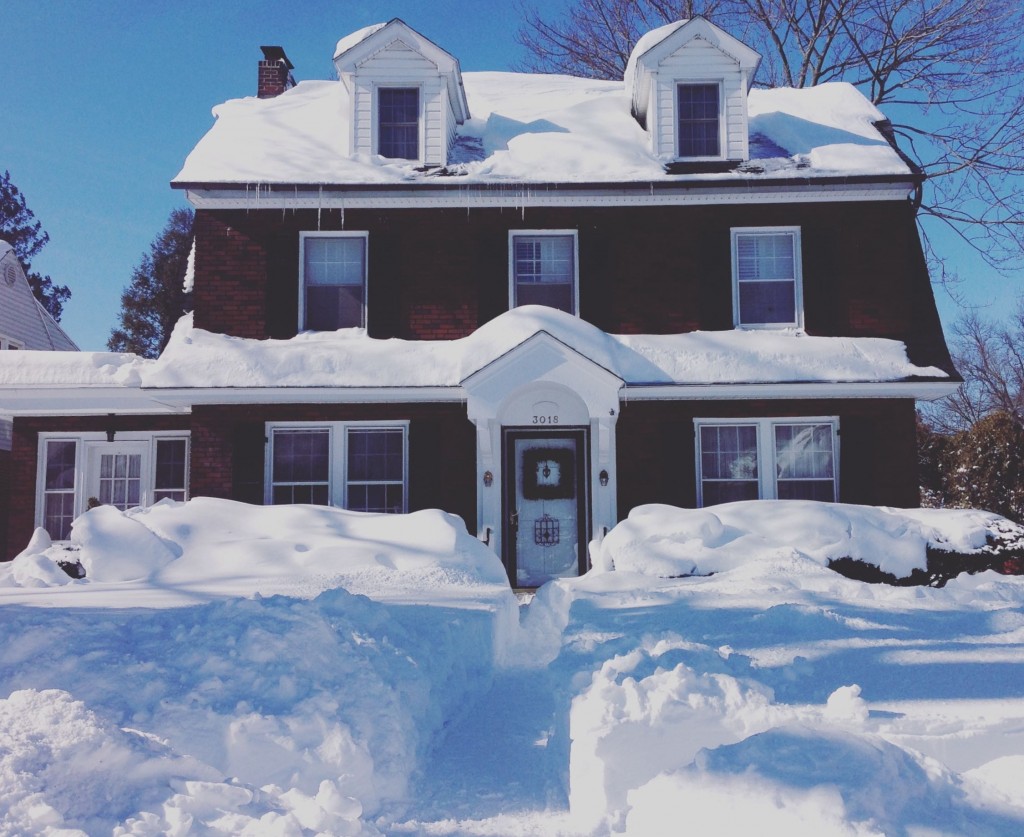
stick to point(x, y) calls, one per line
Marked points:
point(103, 101)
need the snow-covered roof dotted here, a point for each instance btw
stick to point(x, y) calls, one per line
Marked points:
point(196, 358)
point(534, 129)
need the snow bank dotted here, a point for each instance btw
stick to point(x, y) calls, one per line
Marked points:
point(220, 547)
point(349, 358)
point(531, 128)
point(658, 540)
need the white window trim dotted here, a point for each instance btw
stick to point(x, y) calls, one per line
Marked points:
point(766, 467)
point(337, 476)
point(10, 343)
point(723, 133)
point(513, 234)
point(420, 119)
point(303, 235)
point(798, 279)
point(86, 441)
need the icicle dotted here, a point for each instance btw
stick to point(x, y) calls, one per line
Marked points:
point(319, 206)
point(341, 212)
point(295, 205)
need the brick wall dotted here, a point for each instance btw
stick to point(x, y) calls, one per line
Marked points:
point(24, 460)
point(877, 448)
point(5, 498)
point(229, 444)
point(441, 273)
point(230, 291)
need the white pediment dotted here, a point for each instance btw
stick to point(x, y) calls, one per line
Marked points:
point(537, 369)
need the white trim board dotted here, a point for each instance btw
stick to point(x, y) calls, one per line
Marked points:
point(519, 195)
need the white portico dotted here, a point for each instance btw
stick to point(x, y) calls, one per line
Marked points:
point(545, 420)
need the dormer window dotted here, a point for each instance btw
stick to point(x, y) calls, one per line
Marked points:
point(406, 97)
point(688, 82)
point(698, 120)
point(398, 122)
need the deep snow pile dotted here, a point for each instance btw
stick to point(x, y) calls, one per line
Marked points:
point(668, 541)
point(775, 696)
point(350, 358)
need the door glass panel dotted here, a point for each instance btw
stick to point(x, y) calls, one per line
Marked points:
point(120, 480)
point(547, 510)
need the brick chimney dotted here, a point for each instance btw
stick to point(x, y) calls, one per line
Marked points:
point(275, 73)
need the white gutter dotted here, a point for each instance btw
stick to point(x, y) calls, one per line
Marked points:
point(517, 195)
point(82, 401)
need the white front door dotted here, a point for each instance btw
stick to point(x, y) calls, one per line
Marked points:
point(115, 474)
point(545, 506)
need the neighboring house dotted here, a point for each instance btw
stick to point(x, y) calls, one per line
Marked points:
point(24, 324)
point(534, 301)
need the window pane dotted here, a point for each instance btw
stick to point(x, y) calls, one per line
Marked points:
point(767, 302)
point(60, 465)
point(766, 269)
point(334, 274)
point(805, 462)
point(58, 512)
point(398, 122)
point(376, 469)
point(169, 476)
point(714, 492)
point(301, 455)
point(697, 107)
point(544, 268)
point(375, 454)
point(728, 461)
point(330, 308)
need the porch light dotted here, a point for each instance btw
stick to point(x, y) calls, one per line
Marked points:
point(488, 479)
point(603, 477)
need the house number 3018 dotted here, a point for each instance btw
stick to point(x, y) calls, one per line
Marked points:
point(545, 419)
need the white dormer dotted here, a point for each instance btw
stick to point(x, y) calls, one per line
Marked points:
point(406, 93)
point(689, 82)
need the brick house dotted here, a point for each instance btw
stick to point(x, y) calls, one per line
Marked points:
point(533, 301)
point(24, 325)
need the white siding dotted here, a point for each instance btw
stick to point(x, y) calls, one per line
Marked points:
point(397, 62)
point(698, 61)
point(398, 65)
point(21, 318)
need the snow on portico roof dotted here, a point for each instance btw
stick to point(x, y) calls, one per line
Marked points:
point(348, 358)
point(534, 129)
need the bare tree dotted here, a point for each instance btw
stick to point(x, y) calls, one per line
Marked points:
point(947, 72)
point(990, 357)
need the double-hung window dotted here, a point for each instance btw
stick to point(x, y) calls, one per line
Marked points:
point(542, 268)
point(333, 281)
point(80, 471)
point(767, 286)
point(354, 465)
point(398, 122)
point(783, 459)
point(697, 116)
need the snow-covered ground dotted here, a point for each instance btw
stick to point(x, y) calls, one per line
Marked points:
point(225, 669)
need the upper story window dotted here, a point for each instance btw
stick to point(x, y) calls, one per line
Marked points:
point(398, 122)
point(697, 112)
point(359, 466)
point(333, 281)
point(768, 459)
point(767, 287)
point(542, 268)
